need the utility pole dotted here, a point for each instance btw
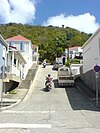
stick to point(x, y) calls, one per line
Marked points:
point(97, 71)
point(68, 37)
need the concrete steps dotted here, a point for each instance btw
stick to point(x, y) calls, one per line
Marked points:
point(29, 77)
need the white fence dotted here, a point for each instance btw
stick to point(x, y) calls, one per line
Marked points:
point(13, 70)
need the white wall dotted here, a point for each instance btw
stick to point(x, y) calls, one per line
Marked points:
point(80, 49)
point(75, 68)
point(26, 53)
point(91, 53)
point(3, 55)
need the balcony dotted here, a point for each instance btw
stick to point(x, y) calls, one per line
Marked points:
point(12, 73)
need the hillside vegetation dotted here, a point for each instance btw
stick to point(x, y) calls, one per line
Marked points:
point(51, 40)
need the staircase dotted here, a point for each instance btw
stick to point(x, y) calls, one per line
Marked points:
point(29, 77)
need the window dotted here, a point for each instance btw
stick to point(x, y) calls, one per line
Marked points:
point(11, 44)
point(14, 61)
point(63, 69)
point(22, 46)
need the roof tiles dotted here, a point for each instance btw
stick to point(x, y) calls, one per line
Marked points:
point(17, 38)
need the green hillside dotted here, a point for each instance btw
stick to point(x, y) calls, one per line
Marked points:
point(51, 40)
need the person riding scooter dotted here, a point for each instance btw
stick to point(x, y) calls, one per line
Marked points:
point(48, 82)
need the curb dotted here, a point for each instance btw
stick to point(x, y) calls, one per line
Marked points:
point(25, 97)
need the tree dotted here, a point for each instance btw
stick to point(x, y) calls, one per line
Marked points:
point(44, 37)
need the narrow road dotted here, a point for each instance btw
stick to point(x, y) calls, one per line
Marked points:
point(62, 110)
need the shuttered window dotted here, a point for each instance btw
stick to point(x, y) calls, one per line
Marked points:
point(22, 46)
point(11, 44)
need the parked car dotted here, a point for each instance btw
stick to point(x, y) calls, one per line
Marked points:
point(56, 66)
point(65, 77)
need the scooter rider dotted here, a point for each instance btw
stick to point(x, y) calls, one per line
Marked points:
point(49, 79)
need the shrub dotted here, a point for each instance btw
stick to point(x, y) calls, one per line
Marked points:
point(72, 61)
point(13, 92)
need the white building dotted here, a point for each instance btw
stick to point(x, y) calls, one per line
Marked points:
point(24, 46)
point(35, 53)
point(75, 51)
point(3, 61)
point(14, 70)
point(15, 64)
point(91, 58)
point(91, 52)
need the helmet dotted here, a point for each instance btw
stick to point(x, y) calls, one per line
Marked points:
point(49, 75)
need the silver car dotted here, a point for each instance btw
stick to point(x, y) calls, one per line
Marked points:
point(56, 66)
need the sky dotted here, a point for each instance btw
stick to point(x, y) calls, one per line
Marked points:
point(82, 15)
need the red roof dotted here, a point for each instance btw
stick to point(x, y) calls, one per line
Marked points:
point(17, 38)
point(34, 46)
point(74, 48)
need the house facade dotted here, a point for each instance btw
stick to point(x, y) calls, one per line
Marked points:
point(35, 56)
point(3, 61)
point(3, 52)
point(75, 51)
point(24, 46)
point(91, 58)
point(14, 70)
point(15, 63)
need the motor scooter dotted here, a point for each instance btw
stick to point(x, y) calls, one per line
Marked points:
point(47, 86)
point(44, 65)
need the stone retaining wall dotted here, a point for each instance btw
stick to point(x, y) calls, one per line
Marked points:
point(89, 79)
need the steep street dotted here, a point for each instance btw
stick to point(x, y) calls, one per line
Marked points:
point(62, 110)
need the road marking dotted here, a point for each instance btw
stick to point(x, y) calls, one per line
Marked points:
point(20, 125)
point(27, 112)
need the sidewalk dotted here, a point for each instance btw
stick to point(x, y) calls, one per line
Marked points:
point(20, 94)
point(8, 100)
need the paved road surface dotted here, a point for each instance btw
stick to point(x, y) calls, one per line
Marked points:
point(62, 110)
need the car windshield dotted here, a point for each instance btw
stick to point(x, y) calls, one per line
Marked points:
point(63, 69)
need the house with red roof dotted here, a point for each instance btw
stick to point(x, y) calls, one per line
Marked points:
point(11, 66)
point(75, 51)
point(91, 62)
point(14, 70)
point(24, 46)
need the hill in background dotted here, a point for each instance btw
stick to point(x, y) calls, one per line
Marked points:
point(51, 40)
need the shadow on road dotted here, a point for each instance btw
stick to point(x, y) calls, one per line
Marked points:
point(78, 101)
point(55, 83)
point(45, 90)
